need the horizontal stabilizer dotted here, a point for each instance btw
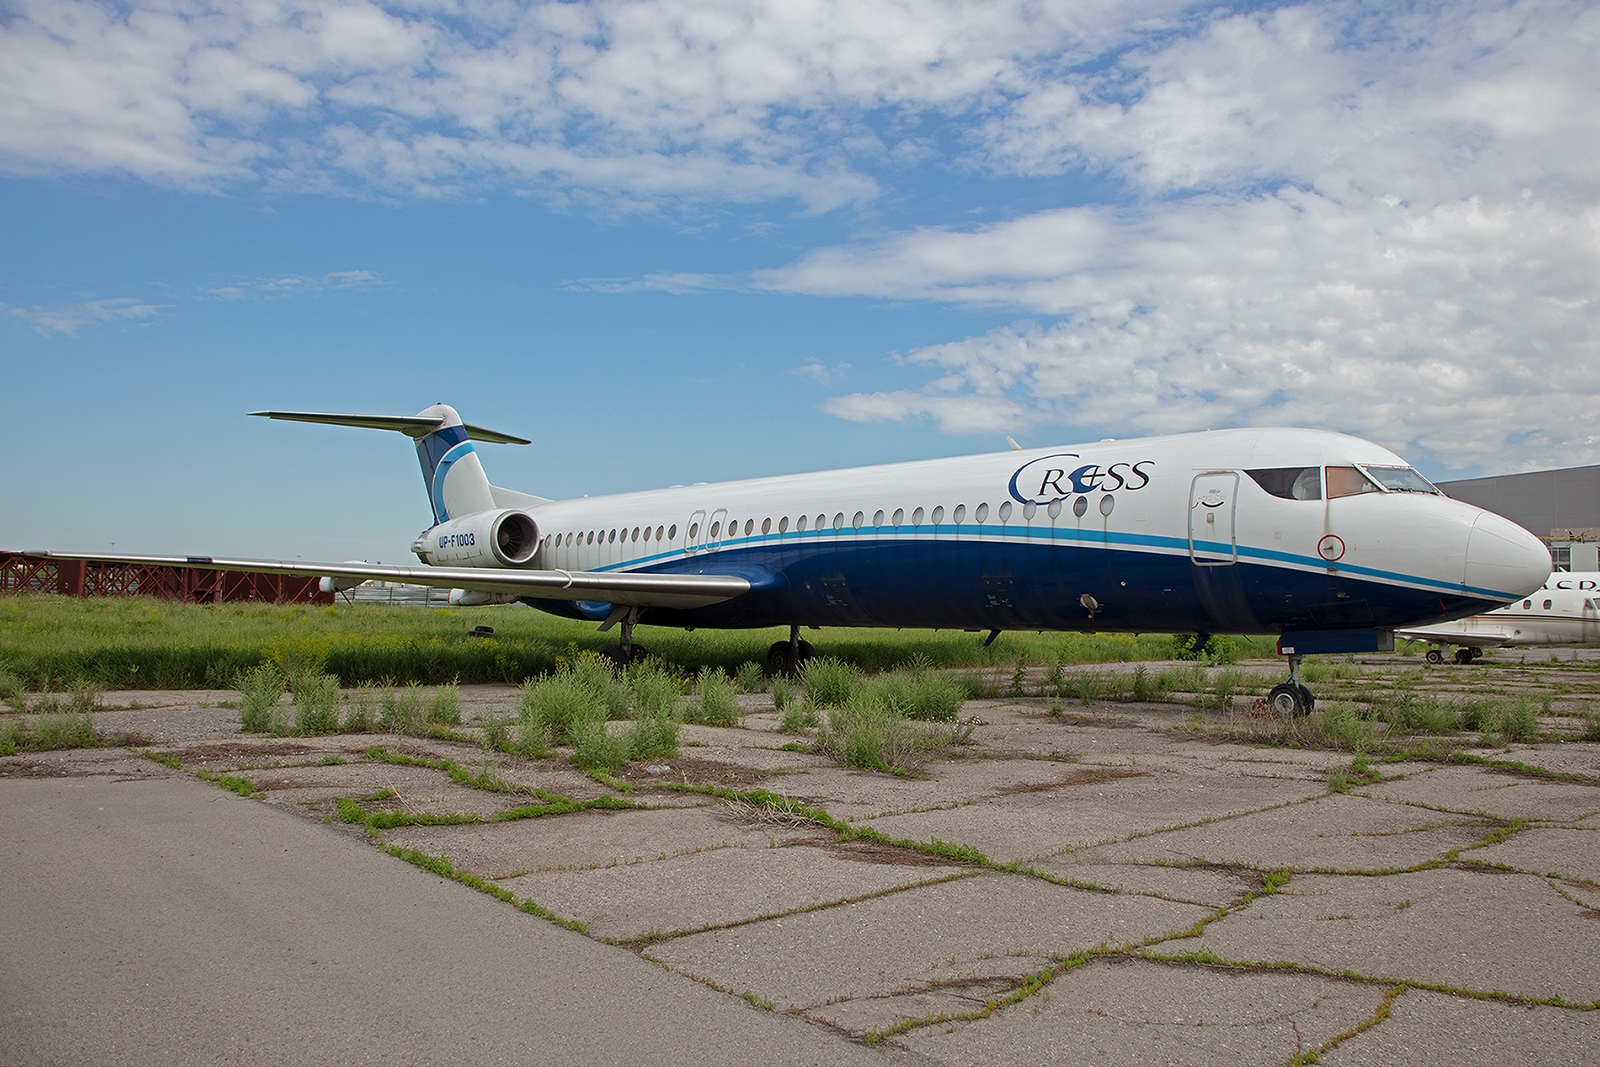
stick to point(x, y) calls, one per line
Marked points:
point(410, 425)
point(636, 590)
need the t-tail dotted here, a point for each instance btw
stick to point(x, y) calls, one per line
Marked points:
point(458, 489)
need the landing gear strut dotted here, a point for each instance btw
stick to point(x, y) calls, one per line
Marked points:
point(1291, 699)
point(786, 657)
point(627, 652)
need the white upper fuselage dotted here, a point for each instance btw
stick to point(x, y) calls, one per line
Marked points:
point(1166, 514)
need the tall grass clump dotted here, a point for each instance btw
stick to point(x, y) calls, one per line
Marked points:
point(12, 736)
point(550, 711)
point(361, 713)
point(717, 704)
point(869, 734)
point(316, 703)
point(1520, 721)
point(653, 736)
point(445, 707)
point(1344, 728)
point(595, 747)
point(829, 682)
point(924, 695)
point(654, 687)
point(751, 677)
point(11, 687)
point(400, 710)
point(260, 688)
point(1425, 714)
point(1591, 727)
point(49, 731)
point(1146, 688)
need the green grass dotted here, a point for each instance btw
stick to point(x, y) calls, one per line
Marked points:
point(49, 731)
point(144, 643)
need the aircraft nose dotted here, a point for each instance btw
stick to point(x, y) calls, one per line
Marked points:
point(1504, 559)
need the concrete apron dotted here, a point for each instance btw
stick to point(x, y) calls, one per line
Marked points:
point(1427, 916)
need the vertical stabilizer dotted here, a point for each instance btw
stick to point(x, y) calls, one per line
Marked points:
point(450, 467)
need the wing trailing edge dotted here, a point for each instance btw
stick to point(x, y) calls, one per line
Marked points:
point(634, 590)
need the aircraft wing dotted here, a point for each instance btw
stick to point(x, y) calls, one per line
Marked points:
point(1445, 635)
point(633, 589)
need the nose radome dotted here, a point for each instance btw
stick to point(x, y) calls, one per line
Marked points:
point(1503, 559)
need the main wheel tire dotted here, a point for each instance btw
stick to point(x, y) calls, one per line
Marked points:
point(1308, 701)
point(1463, 655)
point(614, 655)
point(778, 662)
point(1434, 656)
point(1287, 701)
point(638, 654)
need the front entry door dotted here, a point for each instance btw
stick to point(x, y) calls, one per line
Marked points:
point(1211, 519)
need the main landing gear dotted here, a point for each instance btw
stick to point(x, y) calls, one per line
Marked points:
point(1464, 655)
point(786, 657)
point(1291, 699)
point(627, 652)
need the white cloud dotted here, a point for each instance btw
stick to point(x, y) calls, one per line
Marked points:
point(74, 317)
point(1381, 218)
point(339, 281)
point(634, 101)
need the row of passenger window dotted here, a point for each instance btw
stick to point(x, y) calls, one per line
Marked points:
point(720, 529)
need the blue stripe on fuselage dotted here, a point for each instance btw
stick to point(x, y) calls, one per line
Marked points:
point(1034, 581)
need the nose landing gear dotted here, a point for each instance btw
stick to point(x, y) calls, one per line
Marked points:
point(1290, 699)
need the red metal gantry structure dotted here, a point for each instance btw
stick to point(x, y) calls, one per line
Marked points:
point(22, 572)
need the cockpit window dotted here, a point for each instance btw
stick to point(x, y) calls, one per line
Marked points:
point(1291, 483)
point(1401, 480)
point(1349, 481)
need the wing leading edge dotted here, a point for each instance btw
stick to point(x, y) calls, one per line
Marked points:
point(633, 590)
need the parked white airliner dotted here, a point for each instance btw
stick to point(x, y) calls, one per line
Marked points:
point(1329, 541)
point(1564, 614)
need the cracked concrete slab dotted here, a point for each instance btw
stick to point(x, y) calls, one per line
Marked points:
point(956, 930)
point(1426, 1029)
point(713, 887)
point(1474, 930)
point(1573, 854)
point(1330, 832)
point(1139, 1013)
point(1502, 795)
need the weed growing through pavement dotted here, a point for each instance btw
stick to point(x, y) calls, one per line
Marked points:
point(260, 688)
point(717, 704)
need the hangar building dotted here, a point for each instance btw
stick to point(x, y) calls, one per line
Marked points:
point(1561, 506)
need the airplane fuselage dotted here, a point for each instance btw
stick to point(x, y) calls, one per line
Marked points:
point(1208, 532)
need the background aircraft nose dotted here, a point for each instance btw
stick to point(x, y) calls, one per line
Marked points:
point(1504, 558)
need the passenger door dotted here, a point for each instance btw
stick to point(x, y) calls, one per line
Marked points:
point(1212, 498)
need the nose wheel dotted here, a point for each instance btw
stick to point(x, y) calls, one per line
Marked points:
point(1290, 700)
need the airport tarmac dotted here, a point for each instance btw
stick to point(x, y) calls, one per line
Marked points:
point(1117, 884)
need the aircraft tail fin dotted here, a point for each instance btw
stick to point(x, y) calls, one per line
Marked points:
point(451, 471)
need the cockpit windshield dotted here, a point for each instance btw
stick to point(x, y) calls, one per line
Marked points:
point(1291, 483)
point(1349, 481)
point(1401, 480)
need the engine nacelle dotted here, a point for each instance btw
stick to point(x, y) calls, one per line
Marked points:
point(473, 598)
point(341, 585)
point(487, 539)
